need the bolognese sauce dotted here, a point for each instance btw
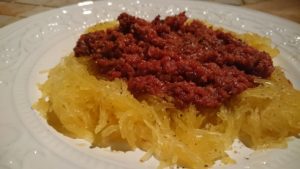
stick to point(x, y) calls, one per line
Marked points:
point(173, 57)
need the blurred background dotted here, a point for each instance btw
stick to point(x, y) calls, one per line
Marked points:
point(13, 10)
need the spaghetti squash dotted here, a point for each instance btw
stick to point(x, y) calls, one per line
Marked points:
point(104, 112)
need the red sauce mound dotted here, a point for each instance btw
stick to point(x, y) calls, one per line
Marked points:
point(192, 63)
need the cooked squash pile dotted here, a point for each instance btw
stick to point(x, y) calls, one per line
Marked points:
point(81, 105)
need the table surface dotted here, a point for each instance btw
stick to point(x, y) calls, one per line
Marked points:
point(14, 10)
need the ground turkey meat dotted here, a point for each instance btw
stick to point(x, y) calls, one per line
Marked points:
point(170, 58)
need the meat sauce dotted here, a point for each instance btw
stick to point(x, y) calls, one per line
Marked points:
point(172, 58)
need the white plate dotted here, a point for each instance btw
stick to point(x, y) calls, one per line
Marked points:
point(37, 43)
